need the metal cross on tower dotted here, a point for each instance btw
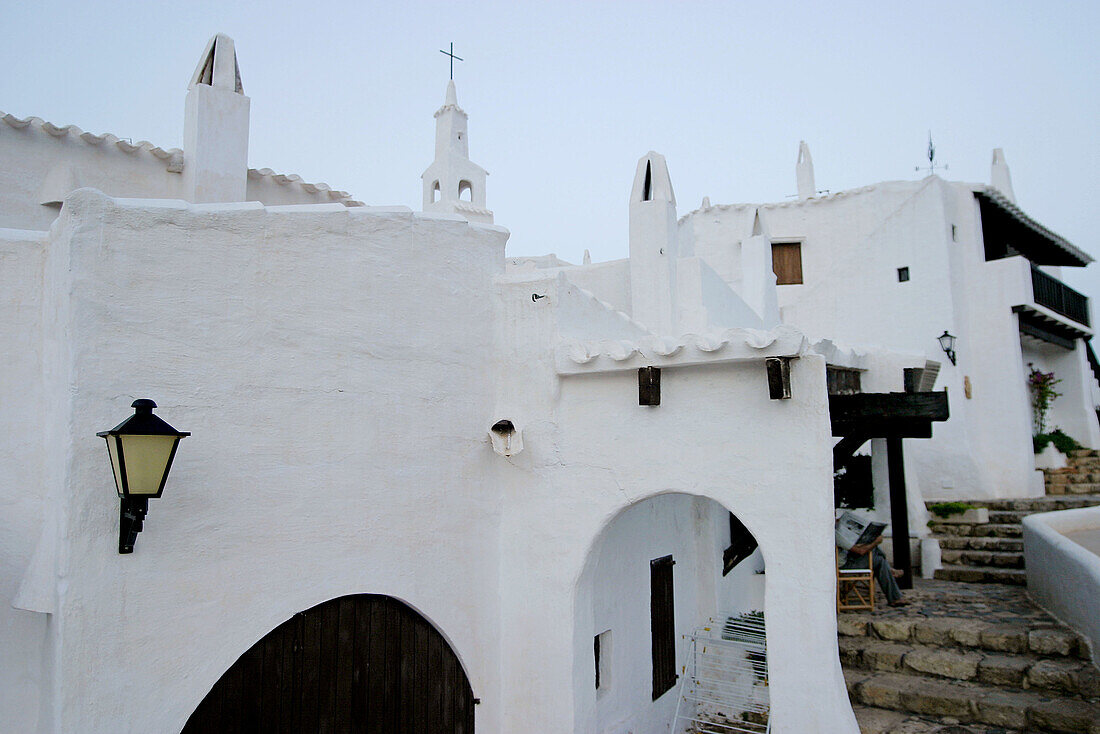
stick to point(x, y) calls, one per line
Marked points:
point(932, 165)
point(451, 53)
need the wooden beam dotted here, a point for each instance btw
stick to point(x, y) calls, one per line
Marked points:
point(779, 377)
point(882, 427)
point(847, 446)
point(891, 405)
point(1047, 329)
point(899, 511)
point(649, 386)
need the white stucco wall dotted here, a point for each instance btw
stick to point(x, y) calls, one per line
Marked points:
point(1064, 575)
point(22, 489)
point(1072, 411)
point(331, 399)
point(339, 369)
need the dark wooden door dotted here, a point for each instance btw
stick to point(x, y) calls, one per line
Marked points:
point(662, 624)
point(363, 663)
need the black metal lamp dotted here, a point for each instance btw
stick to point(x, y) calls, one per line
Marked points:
point(141, 448)
point(947, 343)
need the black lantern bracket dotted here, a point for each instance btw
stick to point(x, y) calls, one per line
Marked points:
point(947, 344)
point(141, 449)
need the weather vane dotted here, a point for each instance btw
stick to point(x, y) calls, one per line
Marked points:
point(454, 58)
point(932, 165)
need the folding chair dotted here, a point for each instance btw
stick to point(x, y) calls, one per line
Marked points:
point(855, 587)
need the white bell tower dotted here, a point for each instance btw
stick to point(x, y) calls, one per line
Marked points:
point(453, 183)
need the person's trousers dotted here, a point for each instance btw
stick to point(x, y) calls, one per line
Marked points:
point(884, 575)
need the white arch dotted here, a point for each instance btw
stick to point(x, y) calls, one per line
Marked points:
point(693, 532)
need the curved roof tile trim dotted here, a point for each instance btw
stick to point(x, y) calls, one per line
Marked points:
point(286, 179)
point(172, 156)
point(732, 345)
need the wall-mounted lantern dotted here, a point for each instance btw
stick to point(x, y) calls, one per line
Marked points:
point(947, 343)
point(141, 449)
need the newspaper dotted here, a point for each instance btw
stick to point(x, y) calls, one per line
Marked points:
point(854, 530)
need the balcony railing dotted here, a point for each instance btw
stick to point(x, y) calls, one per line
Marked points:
point(1059, 297)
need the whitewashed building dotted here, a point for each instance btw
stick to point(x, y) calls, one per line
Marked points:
point(446, 489)
point(890, 267)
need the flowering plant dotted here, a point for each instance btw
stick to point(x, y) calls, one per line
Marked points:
point(1041, 385)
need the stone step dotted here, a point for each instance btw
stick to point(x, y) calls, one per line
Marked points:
point(969, 702)
point(982, 575)
point(968, 633)
point(1039, 504)
point(1078, 466)
point(1076, 453)
point(1005, 545)
point(998, 559)
point(1077, 477)
point(873, 720)
point(1082, 488)
point(1062, 676)
point(1008, 517)
point(1071, 489)
point(977, 531)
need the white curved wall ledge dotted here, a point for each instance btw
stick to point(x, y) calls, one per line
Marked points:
point(732, 345)
point(1064, 576)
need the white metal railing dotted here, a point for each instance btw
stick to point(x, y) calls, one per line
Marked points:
point(724, 680)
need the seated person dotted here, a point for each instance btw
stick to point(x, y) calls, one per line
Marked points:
point(855, 557)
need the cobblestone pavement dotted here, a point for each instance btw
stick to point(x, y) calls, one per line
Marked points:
point(993, 603)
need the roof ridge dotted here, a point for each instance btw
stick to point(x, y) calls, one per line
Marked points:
point(793, 202)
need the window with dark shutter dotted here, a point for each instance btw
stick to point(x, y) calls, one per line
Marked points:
point(742, 544)
point(787, 262)
point(662, 625)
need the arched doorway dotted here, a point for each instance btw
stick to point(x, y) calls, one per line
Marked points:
point(361, 663)
point(669, 619)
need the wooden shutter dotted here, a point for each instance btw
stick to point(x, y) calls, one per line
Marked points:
point(742, 544)
point(662, 625)
point(787, 262)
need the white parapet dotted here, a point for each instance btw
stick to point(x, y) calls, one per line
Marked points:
point(1062, 555)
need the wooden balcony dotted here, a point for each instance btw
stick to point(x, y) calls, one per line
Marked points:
point(1059, 297)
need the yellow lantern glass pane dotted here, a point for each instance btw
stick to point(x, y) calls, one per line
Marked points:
point(146, 457)
point(112, 449)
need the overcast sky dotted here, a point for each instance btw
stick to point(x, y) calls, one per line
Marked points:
point(564, 97)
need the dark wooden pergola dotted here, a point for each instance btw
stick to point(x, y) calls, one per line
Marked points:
point(860, 417)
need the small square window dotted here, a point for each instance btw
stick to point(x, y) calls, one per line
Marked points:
point(903, 275)
point(787, 262)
